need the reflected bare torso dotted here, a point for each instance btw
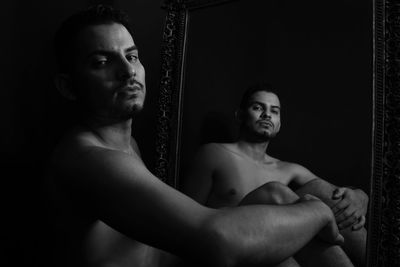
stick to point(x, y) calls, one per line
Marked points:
point(235, 174)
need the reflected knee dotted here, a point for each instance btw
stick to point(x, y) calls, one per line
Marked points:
point(279, 193)
point(270, 193)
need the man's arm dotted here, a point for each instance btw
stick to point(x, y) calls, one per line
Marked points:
point(119, 190)
point(348, 205)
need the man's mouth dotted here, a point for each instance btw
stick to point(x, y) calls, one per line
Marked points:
point(131, 88)
point(266, 123)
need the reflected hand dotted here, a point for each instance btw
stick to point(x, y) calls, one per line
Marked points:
point(351, 209)
point(330, 233)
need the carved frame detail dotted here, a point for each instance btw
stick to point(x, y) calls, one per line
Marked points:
point(384, 234)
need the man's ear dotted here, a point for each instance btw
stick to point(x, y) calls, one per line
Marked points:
point(64, 86)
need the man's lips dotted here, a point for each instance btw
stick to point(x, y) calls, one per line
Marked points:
point(266, 123)
point(131, 88)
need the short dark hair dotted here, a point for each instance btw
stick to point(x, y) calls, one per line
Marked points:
point(65, 37)
point(265, 87)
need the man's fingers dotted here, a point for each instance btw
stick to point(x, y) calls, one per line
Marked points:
point(349, 221)
point(348, 213)
point(339, 240)
point(340, 207)
point(344, 214)
point(360, 224)
point(338, 193)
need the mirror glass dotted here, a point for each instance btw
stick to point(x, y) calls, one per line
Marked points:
point(318, 57)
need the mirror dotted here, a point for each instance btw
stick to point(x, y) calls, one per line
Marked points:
point(326, 63)
point(322, 73)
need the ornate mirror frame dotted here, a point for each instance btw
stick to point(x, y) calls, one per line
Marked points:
point(384, 210)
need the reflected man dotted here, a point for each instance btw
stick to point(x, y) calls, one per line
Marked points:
point(111, 210)
point(222, 174)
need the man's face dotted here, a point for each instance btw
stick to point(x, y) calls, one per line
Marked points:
point(262, 118)
point(109, 78)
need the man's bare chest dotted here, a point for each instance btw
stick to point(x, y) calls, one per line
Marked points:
point(232, 182)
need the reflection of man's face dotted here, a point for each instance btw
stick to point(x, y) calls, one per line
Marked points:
point(108, 71)
point(262, 115)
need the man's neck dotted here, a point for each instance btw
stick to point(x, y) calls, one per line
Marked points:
point(111, 133)
point(254, 150)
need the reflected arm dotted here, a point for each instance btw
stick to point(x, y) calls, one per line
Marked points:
point(348, 205)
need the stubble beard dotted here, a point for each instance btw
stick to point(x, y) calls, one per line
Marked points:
point(258, 136)
point(264, 136)
point(131, 111)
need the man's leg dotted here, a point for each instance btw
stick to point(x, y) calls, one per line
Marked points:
point(288, 263)
point(354, 241)
point(316, 253)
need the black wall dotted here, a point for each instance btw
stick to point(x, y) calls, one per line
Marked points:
point(319, 59)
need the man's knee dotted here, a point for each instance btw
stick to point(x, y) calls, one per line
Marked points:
point(270, 193)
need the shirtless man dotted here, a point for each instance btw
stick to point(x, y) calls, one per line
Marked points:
point(111, 210)
point(224, 173)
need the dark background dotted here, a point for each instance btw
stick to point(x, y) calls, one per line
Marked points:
point(33, 115)
point(333, 70)
point(318, 57)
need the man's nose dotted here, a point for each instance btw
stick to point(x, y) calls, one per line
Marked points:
point(266, 114)
point(126, 70)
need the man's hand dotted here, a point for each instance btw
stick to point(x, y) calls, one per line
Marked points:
point(350, 211)
point(330, 233)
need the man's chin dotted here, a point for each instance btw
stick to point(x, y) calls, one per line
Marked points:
point(135, 109)
point(131, 111)
point(266, 135)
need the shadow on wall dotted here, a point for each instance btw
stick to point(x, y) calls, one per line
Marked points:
point(216, 128)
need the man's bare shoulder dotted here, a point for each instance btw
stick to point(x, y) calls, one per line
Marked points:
point(135, 146)
point(213, 149)
point(222, 148)
point(211, 156)
point(217, 153)
point(75, 142)
point(292, 167)
point(214, 146)
point(80, 152)
point(298, 174)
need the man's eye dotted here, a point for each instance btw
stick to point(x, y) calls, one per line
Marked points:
point(132, 58)
point(256, 107)
point(99, 62)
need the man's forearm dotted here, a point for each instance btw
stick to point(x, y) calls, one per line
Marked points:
point(355, 241)
point(319, 188)
point(324, 190)
point(268, 234)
